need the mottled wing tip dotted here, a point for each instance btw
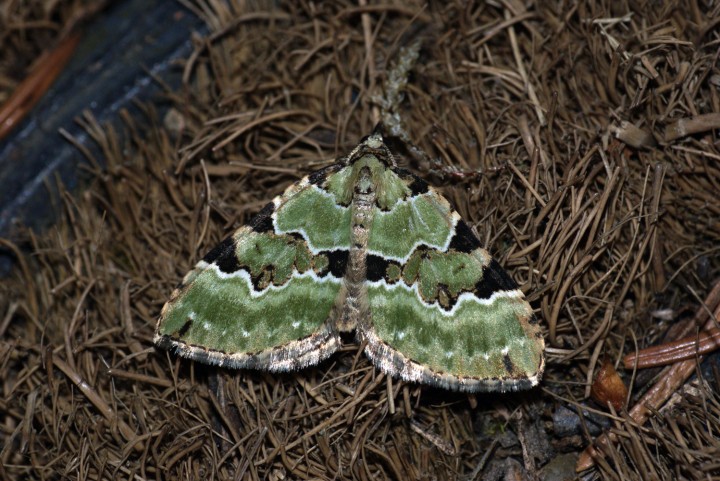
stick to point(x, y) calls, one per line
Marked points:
point(163, 342)
point(478, 385)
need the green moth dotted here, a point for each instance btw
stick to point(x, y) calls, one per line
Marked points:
point(361, 245)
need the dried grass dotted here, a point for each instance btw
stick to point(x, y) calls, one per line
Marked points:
point(567, 135)
point(29, 28)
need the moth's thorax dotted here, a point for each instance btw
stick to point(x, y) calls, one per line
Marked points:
point(369, 162)
point(379, 173)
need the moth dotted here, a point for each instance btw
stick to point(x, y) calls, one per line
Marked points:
point(365, 246)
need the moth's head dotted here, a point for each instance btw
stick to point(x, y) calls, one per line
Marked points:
point(374, 144)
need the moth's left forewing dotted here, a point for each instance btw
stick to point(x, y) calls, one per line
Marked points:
point(265, 297)
point(442, 311)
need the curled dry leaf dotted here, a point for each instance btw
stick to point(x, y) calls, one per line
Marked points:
point(609, 387)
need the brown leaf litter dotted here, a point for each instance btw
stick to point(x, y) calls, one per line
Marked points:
point(38, 38)
point(578, 139)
